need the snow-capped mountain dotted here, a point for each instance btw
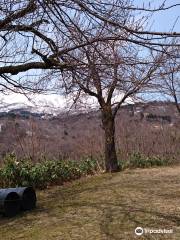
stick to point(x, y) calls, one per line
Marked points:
point(39, 103)
point(52, 104)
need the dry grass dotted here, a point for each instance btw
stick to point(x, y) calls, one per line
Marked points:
point(108, 206)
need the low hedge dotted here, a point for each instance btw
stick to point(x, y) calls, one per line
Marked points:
point(23, 172)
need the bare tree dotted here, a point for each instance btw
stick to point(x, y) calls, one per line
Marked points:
point(170, 82)
point(41, 34)
point(112, 72)
point(97, 48)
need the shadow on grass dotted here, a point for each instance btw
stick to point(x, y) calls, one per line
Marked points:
point(116, 211)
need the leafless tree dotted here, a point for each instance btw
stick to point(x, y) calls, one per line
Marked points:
point(112, 72)
point(40, 34)
point(170, 82)
point(98, 48)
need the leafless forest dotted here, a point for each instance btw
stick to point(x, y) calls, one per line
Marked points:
point(151, 129)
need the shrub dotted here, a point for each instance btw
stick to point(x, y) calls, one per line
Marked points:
point(23, 172)
point(138, 160)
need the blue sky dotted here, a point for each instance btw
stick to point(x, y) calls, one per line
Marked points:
point(163, 20)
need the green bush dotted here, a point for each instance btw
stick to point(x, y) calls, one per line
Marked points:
point(23, 172)
point(138, 160)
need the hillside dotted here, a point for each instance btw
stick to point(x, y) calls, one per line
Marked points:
point(151, 128)
point(107, 207)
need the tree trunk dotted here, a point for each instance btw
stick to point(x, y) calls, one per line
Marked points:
point(108, 123)
point(177, 103)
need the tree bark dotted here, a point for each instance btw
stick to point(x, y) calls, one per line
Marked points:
point(108, 122)
point(177, 103)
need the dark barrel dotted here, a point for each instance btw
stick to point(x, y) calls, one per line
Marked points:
point(27, 197)
point(9, 202)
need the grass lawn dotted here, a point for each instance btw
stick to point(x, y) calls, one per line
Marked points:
point(108, 206)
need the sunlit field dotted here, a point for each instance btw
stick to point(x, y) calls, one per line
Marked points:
point(107, 206)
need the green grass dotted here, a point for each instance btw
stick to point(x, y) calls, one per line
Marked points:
point(103, 207)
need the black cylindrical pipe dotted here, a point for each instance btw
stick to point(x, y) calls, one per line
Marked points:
point(27, 196)
point(10, 203)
